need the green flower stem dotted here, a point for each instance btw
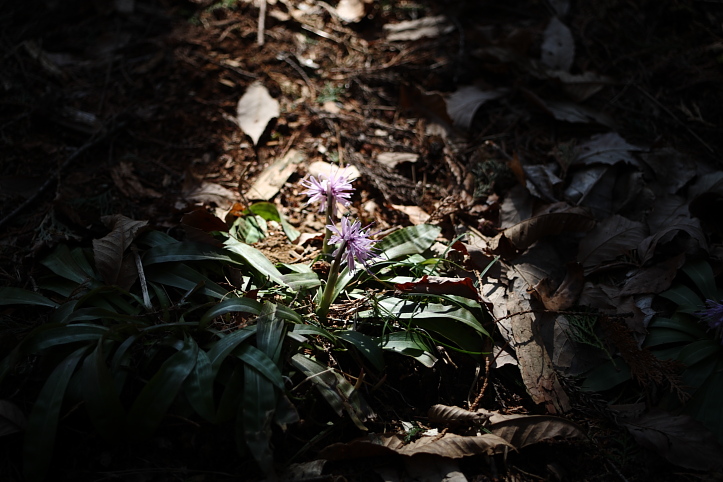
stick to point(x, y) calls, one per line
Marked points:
point(330, 282)
point(329, 220)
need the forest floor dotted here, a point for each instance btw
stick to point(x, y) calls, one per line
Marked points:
point(576, 142)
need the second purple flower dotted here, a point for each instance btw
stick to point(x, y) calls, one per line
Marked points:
point(354, 240)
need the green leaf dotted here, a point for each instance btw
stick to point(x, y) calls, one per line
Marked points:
point(186, 251)
point(270, 332)
point(198, 387)
point(262, 363)
point(314, 330)
point(410, 240)
point(159, 393)
point(71, 265)
point(686, 326)
point(335, 389)
point(269, 212)
point(184, 277)
point(223, 347)
point(686, 299)
point(702, 275)
point(411, 344)
point(255, 417)
point(231, 305)
point(368, 346)
point(231, 397)
point(51, 335)
point(43, 421)
point(458, 325)
point(302, 281)
point(253, 258)
point(100, 395)
point(606, 376)
point(19, 296)
point(665, 336)
point(699, 351)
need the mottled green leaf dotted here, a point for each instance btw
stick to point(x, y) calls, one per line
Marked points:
point(159, 393)
point(19, 296)
point(100, 395)
point(410, 240)
point(43, 421)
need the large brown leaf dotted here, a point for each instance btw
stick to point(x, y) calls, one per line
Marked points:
point(613, 237)
point(113, 266)
point(524, 234)
point(524, 430)
point(679, 438)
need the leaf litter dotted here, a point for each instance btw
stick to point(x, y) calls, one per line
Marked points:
point(629, 216)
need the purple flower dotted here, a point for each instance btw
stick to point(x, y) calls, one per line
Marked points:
point(334, 187)
point(713, 315)
point(354, 240)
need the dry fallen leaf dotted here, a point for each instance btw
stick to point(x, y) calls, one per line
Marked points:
point(441, 286)
point(275, 176)
point(415, 29)
point(609, 148)
point(351, 10)
point(464, 102)
point(566, 294)
point(558, 46)
point(613, 237)
point(416, 214)
point(109, 251)
point(255, 110)
point(682, 440)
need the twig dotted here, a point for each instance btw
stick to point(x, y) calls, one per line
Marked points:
point(675, 118)
point(262, 23)
point(93, 141)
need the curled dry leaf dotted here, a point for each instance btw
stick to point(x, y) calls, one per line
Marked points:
point(450, 445)
point(255, 110)
point(565, 295)
point(113, 266)
point(523, 430)
point(455, 415)
point(464, 102)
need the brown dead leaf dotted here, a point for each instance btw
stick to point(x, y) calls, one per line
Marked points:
point(682, 440)
point(115, 267)
point(654, 279)
point(128, 183)
point(275, 176)
point(392, 159)
point(613, 237)
point(463, 103)
point(255, 109)
point(455, 415)
point(416, 214)
point(609, 148)
point(524, 430)
point(352, 11)
point(566, 294)
point(536, 368)
point(198, 190)
point(524, 234)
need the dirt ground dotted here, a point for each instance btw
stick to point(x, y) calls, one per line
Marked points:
point(130, 107)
